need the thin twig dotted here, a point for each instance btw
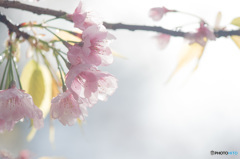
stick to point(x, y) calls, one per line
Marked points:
point(113, 26)
point(116, 26)
point(12, 27)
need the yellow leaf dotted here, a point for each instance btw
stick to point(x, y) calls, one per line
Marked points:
point(217, 21)
point(67, 36)
point(236, 39)
point(236, 21)
point(31, 134)
point(51, 134)
point(189, 53)
point(55, 88)
point(36, 80)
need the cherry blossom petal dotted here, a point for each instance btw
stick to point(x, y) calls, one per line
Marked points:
point(85, 81)
point(95, 48)
point(67, 109)
point(16, 105)
point(24, 154)
point(163, 40)
point(81, 18)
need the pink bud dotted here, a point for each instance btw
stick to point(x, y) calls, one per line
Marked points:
point(157, 13)
point(163, 40)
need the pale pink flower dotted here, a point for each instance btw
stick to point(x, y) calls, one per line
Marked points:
point(95, 48)
point(67, 109)
point(81, 18)
point(85, 81)
point(16, 105)
point(24, 154)
point(4, 154)
point(157, 13)
point(163, 40)
point(201, 36)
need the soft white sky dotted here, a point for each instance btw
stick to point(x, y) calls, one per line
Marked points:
point(185, 119)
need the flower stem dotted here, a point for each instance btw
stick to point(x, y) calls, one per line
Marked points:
point(2, 52)
point(60, 70)
point(8, 80)
point(51, 70)
point(53, 48)
point(2, 60)
point(4, 73)
point(49, 20)
point(16, 69)
point(193, 15)
point(11, 67)
point(50, 27)
point(55, 35)
point(11, 70)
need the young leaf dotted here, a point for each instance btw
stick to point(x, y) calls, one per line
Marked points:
point(55, 87)
point(67, 37)
point(51, 133)
point(236, 21)
point(189, 53)
point(236, 40)
point(118, 55)
point(217, 21)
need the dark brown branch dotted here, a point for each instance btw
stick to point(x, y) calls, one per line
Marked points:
point(225, 33)
point(30, 8)
point(13, 28)
point(39, 10)
point(145, 28)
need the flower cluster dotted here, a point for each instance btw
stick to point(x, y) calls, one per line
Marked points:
point(85, 83)
point(201, 36)
point(203, 33)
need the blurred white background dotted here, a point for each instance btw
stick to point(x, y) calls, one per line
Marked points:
point(146, 118)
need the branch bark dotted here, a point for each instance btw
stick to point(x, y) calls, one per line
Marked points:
point(116, 26)
point(30, 8)
point(113, 26)
point(12, 27)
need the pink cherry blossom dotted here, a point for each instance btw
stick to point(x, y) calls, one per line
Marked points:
point(67, 109)
point(157, 13)
point(81, 18)
point(95, 48)
point(16, 105)
point(24, 154)
point(203, 33)
point(85, 81)
point(163, 40)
